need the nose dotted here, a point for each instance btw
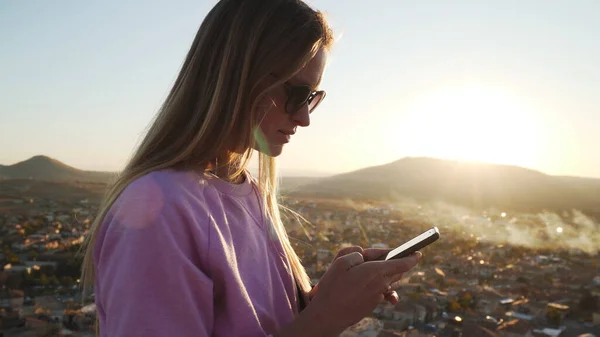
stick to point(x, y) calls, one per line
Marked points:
point(302, 116)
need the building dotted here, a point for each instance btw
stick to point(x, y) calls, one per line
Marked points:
point(515, 328)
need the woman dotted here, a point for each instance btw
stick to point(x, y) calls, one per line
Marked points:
point(187, 243)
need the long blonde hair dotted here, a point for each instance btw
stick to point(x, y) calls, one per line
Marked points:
point(213, 107)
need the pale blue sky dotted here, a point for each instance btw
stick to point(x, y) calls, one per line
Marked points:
point(514, 82)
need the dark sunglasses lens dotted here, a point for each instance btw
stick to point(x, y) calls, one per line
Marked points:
point(298, 96)
point(315, 100)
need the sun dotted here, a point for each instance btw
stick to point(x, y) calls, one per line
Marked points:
point(475, 123)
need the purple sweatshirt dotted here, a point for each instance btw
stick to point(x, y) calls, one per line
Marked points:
point(184, 254)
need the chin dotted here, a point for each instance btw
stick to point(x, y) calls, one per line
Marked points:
point(273, 151)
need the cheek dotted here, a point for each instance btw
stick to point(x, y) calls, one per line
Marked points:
point(273, 103)
point(277, 100)
point(274, 115)
point(272, 120)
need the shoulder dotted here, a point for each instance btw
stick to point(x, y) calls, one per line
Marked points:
point(162, 193)
point(161, 188)
point(166, 209)
point(168, 203)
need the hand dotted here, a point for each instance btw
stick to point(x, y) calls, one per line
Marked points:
point(369, 254)
point(351, 288)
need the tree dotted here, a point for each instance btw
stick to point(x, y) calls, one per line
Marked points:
point(3, 277)
point(66, 281)
point(29, 228)
point(53, 280)
point(453, 306)
point(33, 255)
point(588, 302)
point(553, 316)
point(466, 301)
point(28, 279)
point(414, 296)
point(12, 258)
point(44, 279)
point(14, 281)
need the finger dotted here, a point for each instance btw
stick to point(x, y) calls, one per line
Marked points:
point(394, 281)
point(380, 298)
point(392, 297)
point(348, 250)
point(350, 260)
point(385, 288)
point(398, 266)
point(372, 254)
point(397, 281)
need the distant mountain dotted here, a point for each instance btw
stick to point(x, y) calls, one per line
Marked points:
point(49, 169)
point(422, 179)
point(290, 172)
point(291, 183)
point(46, 168)
point(469, 184)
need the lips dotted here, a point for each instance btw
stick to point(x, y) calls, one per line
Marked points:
point(286, 135)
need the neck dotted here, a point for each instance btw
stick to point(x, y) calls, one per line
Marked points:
point(225, 173)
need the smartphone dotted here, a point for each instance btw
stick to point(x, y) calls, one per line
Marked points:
point(420, 241)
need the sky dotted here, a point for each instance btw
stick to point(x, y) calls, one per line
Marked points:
point(509, 82)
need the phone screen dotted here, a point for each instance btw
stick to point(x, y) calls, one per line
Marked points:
point(420, 241)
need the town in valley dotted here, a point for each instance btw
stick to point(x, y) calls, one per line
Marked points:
point(494, 272)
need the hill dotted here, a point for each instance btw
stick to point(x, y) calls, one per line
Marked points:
point(469, 184)
point(46, 168)
point(422, 179)
point(50, 169)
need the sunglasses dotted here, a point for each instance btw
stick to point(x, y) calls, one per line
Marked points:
point(298, 95)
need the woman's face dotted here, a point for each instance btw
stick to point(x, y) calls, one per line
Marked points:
point(278, 125)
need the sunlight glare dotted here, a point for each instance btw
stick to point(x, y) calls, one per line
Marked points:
point(475, 123)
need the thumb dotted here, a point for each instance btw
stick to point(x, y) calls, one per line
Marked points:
point(372, 254)
point(350, 260)
point(398, 266)
point(348, 250)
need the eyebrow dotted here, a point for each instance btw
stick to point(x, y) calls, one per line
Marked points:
point(300, 81)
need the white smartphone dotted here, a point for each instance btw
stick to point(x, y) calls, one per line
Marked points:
point(420, 241)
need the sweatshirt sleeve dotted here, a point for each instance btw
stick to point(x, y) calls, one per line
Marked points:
point(149, 270)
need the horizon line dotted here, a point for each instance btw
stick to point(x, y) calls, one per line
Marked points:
point(321, 174)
